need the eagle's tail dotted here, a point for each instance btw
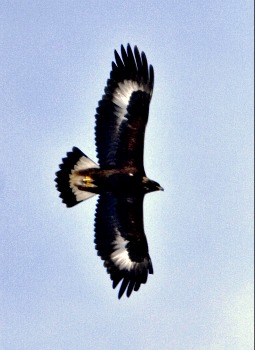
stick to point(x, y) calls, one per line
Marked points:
point(69, 182)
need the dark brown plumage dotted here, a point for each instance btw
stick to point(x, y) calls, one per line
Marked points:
point(120, 178)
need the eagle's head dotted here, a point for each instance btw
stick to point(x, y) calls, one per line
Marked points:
point(150, 185)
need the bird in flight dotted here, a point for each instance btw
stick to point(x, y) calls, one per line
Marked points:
point(119, 179)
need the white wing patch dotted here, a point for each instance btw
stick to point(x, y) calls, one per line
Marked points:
point(76, 180)
point(122, 94)
point(120, 255)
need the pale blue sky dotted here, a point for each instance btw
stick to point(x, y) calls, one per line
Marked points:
point(55, 60)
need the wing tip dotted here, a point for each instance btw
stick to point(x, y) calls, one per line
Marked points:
point(129, 282)
point(130, 64)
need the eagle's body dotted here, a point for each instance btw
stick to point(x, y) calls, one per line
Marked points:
point(119, 179)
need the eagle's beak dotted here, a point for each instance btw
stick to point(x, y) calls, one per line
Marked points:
point(159, 188)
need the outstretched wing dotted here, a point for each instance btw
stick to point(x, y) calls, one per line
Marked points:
point(122, 113)
point(121, 242)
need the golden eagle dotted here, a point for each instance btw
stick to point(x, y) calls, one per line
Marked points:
point(119, 179)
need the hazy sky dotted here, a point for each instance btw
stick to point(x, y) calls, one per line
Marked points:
point(55, 60)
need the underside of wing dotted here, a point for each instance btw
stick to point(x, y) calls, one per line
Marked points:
point(121, 242)
point(122, 113)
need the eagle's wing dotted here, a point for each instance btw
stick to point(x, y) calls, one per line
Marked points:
point(122, 113)
point(121, 242)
